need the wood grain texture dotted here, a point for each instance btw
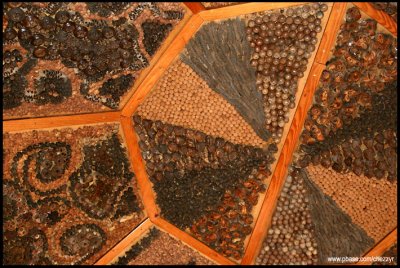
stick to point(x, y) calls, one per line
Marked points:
point(164, 46)
point(381, 247)
point(125, 243)
point(332, 28)
point(191, 241)
point(242, 9)
point(145, 188)
point(159, 68)
point(59, 121)
point(285, 157)
point(380, 16)
point(195, 7)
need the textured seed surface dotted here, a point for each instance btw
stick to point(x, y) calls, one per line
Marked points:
point(182, 98)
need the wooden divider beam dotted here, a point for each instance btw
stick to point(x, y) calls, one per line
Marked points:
point(164, 46)
point(381, 247)
point(60, 121)
point(332, 28)
point(242, 9)
point(161, 66)
point(195, 7)
point(191, 241)
point(125, 243)
point(263, 222)
point(145, 187)
point(380, 16)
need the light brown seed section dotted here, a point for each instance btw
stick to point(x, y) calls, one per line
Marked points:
point(164, 250)
point(371, 203)
point(182, 98)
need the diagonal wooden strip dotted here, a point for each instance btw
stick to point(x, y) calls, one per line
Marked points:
point(145, 187)
point(195, 7)
point(191, 241)
point(263, 222)
point(162, 64)
point(381, 247)
point(380, 16)
point(163, 48)
point(125, 243)
point(241, 9)
point(332, 28)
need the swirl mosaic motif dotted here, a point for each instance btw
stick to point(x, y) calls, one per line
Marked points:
point(68, 197)
point(86, 53)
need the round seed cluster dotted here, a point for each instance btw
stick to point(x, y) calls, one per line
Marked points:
point(371, 203)
point(85, 39)
point(283, 42)
point(352, 124)
point(183, 98)
point(290, 239)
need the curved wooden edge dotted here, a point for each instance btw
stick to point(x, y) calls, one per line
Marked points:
point(164, 46)
point(195, 7)
point(145, 188)
point(191, 241)
point(125, 243)
point(242, 9)
point(60, 121)
point(162, 64)
point(380, 248)
point(380, 16)
point(264, 219)
point(332, 28)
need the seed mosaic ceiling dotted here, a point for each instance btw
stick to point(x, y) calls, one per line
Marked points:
point(210, 133)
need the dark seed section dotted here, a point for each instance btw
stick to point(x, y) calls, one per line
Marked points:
point(226, 227)
point(204, 185)
point(184, 164)
point(283, 42)
point(90, 52)
point(352, 125)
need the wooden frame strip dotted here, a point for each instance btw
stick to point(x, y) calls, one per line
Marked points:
point(164, 46)
point(125, 243)
point(332, 28)
point(195, 7)
point(380, 16)
point(145, 187)
point(191, 241)
point(264, 219)
point(381, 247)
point(165, 60)
point(242, 9)
point(60, 121)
